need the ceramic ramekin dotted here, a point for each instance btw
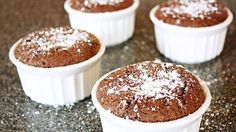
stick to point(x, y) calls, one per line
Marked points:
point(112, 123)
point(111, 28)
point(59, 85)
point(187, 44)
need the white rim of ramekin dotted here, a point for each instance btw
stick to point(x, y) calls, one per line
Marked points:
point(55, 69)
point(224, 24)
point(130, 9)
point(144, 125)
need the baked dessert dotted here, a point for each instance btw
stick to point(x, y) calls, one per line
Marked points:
point(112, 21)
point(151, 92)
point(150, 96)
point(55, 47)
point(57, 66)
point(100, 5)
point(190, 31)
point(192, 13)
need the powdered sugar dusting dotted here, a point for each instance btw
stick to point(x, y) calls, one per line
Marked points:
point(123, 104)
point(192, 8)
point(56, 37)
point(159, 86)
point(89, 3)
point(135, 108)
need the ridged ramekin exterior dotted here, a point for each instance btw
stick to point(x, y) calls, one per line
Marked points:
point(111, 28)
point(190, 45)
point(112, 123)
point(109, 126)
point(60, 85)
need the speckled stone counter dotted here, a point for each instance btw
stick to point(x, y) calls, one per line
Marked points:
point(19, 113)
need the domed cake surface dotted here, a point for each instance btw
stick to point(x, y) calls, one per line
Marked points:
point(151, 92)
point(100, 5)
point(56, 47)
point(192, 13)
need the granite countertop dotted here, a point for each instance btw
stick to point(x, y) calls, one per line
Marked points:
point(19, 113)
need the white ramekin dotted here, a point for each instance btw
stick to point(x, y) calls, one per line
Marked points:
point(60, 85)
point(111, 28)
point(112, 123)
point(187, 44)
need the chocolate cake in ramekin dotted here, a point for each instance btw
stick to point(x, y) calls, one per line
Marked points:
point(190, 31)
point(151, 96)
point(112, 21)
point(57, 66)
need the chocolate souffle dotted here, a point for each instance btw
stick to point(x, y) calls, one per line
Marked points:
point(56, 47)
point(151, 92)
point(93, 6)
point(192, 13)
